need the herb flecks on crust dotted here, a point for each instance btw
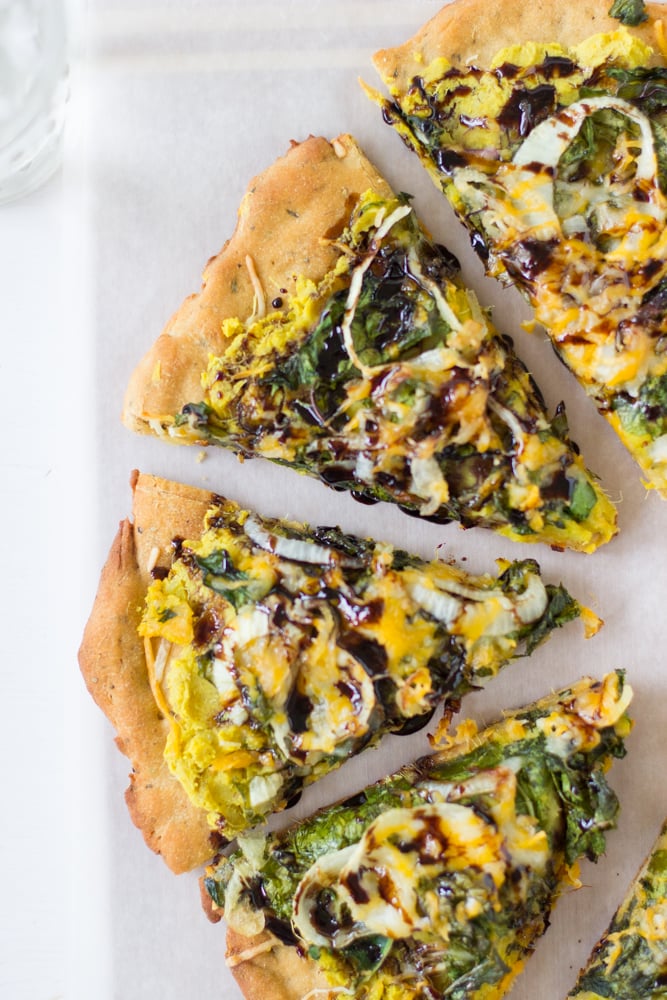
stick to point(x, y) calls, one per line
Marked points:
point(387, 378)
point(556, 160)
point(442, 877)
point(631, 958)
point(276, 651)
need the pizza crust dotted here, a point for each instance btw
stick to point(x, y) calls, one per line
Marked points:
point(473, 31)
point(113, 665)
point(264, 967)
point(284, 220)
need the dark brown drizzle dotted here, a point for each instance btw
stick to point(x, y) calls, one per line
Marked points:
point(369, 652)
point(526, 108)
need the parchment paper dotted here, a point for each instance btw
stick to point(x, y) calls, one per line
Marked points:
point(187, 101)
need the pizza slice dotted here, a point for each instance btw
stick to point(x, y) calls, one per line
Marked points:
point(240, 657)
point(545, 125)
point(333, 336)
point(438, 880)
point(631, 958)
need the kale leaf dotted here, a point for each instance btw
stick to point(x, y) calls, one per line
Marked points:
point(219, 573)
point(590, 154)
point(647, 413)
point(629, 12)
point(590, 808)
point(646, 88)
point(582, 500)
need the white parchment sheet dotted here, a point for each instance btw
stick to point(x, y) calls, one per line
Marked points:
point(187, 101)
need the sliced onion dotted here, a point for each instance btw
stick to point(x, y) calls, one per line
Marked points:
point(253, 846)
point(483, 783)
point(323, 874)
point(263, 788)
point(391, 220)
point(439, 605)
point(295, 549)
point(239, 914)
point(445, 310)
point(527, 606)
point(548, 141)
point(532, 603)
point(429, 483)
point(507, 418)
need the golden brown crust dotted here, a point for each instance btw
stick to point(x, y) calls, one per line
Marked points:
point(283, 219)
point(473, 31)
point(112, 662)
point(272, 969)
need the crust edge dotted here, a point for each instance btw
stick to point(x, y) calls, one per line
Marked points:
point(112, 663)
point(472, 31)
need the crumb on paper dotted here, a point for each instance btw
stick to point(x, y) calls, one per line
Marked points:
point(201, 455)
point(592, 622)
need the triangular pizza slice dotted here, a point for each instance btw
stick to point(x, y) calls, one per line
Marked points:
point(240, 658)
point(546, 127)
point(438, 880)
point(630, 960)
point(333, 336)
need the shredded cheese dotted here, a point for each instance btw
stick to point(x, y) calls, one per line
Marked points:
point(259, 300)
point(152, 559)
point(249, 953)
point(156, 666)
point(327, 991)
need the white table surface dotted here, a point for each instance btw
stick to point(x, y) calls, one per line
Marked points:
point(175, 108)
point(32, 670)
point(45, 940)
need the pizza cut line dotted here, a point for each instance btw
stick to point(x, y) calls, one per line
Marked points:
point(249, 656)
point(438, 880)
point(341, 343)
point(552, 149)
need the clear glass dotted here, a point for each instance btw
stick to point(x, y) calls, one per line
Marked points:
point(33, 93)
